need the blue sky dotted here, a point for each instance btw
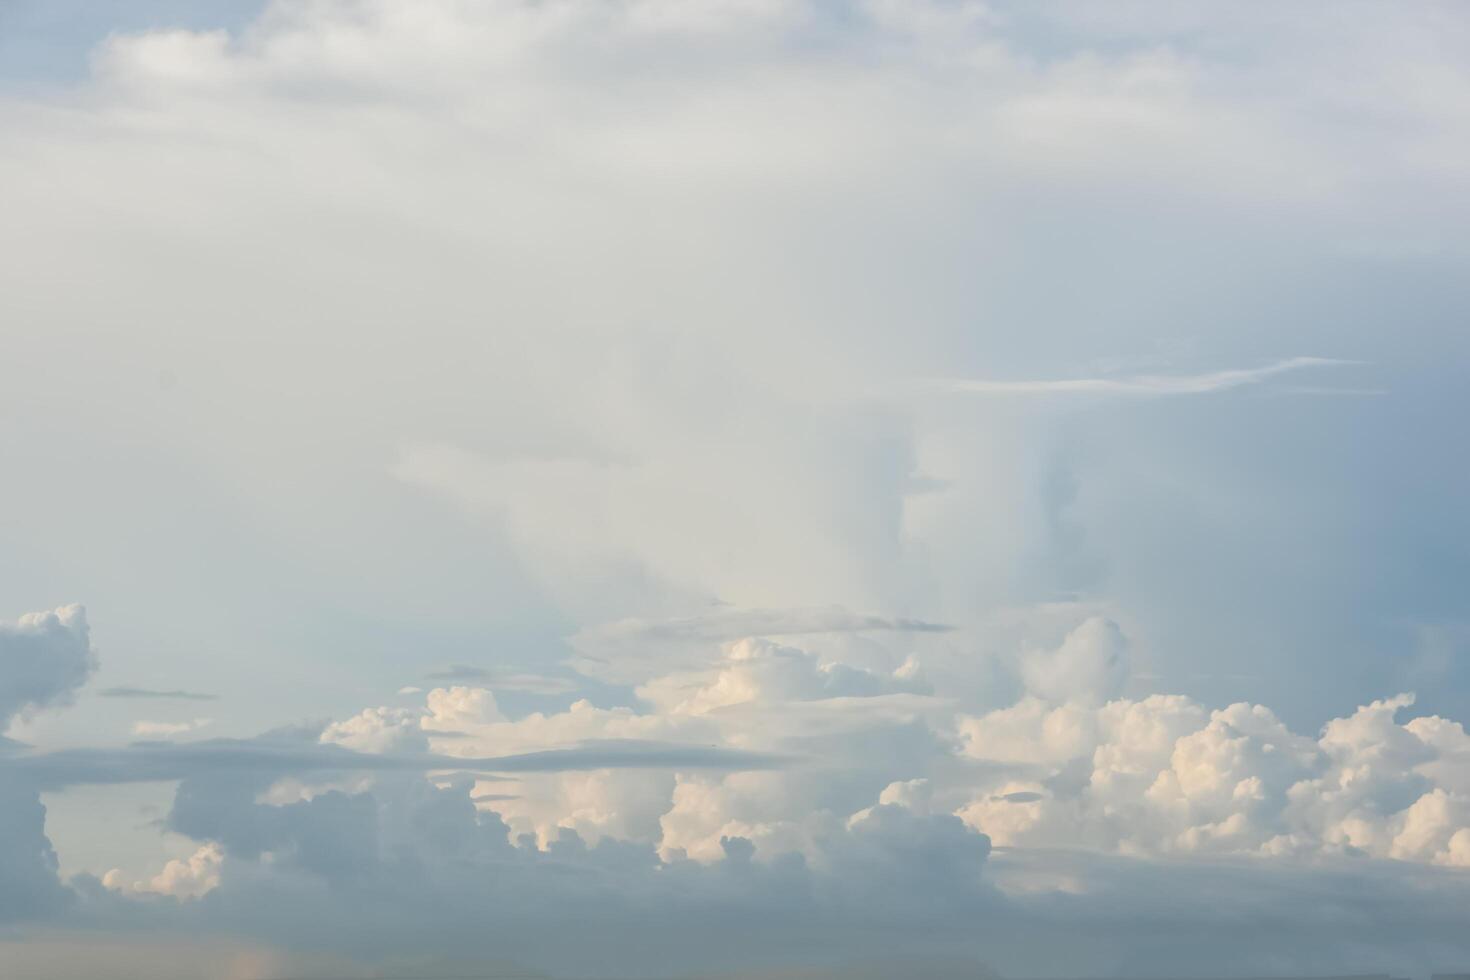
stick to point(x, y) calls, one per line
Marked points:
point(1017, 445)
point(47, 42)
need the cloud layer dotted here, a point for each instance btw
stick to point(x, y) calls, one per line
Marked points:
point(788, 798)
point(566, 360)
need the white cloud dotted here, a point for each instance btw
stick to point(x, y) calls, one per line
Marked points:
point(892, 813)
point(191, 877)
point(1164, 775)
point(1030, 731)
point(760, 671)
point(1067, 765)
point(151, 729)
point(379, 730)
point(618, 283)
point(1090, 663)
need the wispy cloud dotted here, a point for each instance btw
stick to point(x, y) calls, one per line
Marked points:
point(731, 623)
point(157, 761)
point(629, 651)
point(154, 729)
point(503, 680)
point(143, 692)
point(1141, 384)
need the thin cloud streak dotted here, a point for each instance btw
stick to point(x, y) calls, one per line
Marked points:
point(501, 680)
point(729, 624)
point(143, 692)
point(1141, 384)
point(164, 761)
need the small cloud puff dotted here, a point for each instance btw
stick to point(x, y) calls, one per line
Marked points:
point(191, 877)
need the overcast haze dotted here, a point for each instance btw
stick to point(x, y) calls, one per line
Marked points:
point(639, 488)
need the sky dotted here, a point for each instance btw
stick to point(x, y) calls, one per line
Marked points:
point(776, 489)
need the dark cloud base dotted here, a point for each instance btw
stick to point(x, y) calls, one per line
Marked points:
point(411, 872)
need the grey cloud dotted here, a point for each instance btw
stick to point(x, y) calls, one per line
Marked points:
point(408, 869)
point(915, 967)
point(163, 761)
point(146, 693)
point(411, 869)
point(633, 754)
point(44, 658)
point(28, 883)
point(1124, 917)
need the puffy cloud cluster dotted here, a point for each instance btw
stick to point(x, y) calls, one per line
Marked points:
point(757, 695)
point(911, 858)
point(1067, 765)
point(1163, 774)
point(378, 867)
point(880, 822)
point(654, 257)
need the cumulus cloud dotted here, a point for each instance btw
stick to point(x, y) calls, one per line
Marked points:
point(379, 730)
point(653, 256)
point(1163, 774)
point(760, 671)
point(897, 875)
point(190, 877)
point(44, 658)
point(883, 824)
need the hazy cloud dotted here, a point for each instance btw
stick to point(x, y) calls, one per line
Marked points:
point(442, 333)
